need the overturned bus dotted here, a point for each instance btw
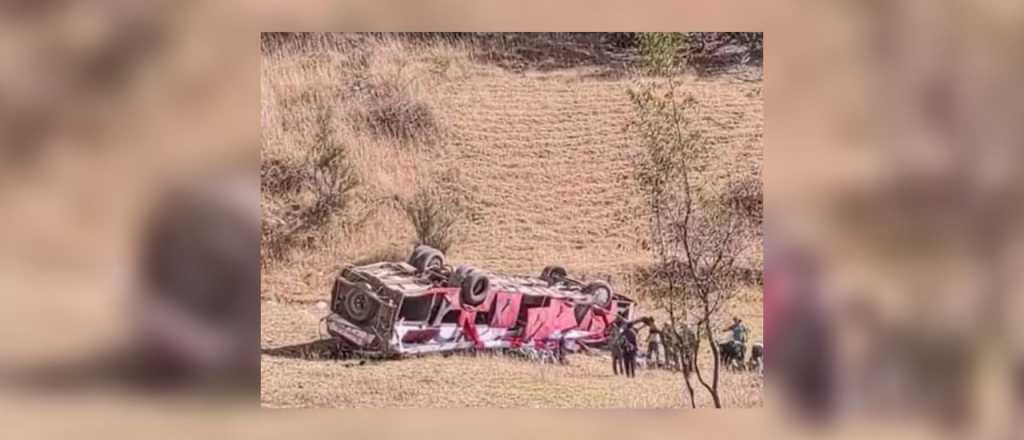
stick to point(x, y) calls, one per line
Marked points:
point(426, 306)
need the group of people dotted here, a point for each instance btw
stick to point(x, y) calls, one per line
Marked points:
point(624, 346)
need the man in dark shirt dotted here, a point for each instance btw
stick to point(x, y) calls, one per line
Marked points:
point(629, 349)
point(615, 346)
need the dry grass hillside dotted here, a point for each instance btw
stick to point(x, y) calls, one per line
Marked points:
point(539, 159)
point(529, 141)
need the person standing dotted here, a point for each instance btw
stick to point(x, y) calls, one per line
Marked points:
point(738, 344)
point(629, 349)
point(739, 330)
point(654, 344)
point(615, 346)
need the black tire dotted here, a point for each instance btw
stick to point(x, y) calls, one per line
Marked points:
point(359, 306)
point(474, 288)
point(429, 258)
point(459, 275)
point(553, 274)
point(416, 253)
point(601, 292)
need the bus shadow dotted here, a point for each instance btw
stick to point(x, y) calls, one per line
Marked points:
point(322, 349)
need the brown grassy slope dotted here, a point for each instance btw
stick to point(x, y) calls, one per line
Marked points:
point(546, 162)
point(457, 381)
point(485, 382)
point(541, 159)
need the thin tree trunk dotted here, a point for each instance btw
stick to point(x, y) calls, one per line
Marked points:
point(712, 388)
point(696, 365)
point(714, 356)
point(689, 387)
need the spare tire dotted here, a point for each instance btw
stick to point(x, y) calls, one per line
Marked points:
point(601, 292)
point(553, 274)
point(428, 258)
point(358, 305)
point(474, 288)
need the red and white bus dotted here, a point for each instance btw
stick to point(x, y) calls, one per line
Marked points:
point(426, 306)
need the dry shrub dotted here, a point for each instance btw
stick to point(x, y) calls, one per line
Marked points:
point(280, 176)
point(746, 196)
point(393, 112)
point(433, 218)
point(294, 111)
point(300, 197)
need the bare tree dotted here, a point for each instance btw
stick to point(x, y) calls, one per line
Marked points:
point(696, 235)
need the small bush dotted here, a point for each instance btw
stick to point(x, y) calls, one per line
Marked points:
point(747, 197)
point(392, 112)
point(433, 217)
point(440, 64)
point(280, 177)
point(661, 50)
point(300, 198)
point(704, 52)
